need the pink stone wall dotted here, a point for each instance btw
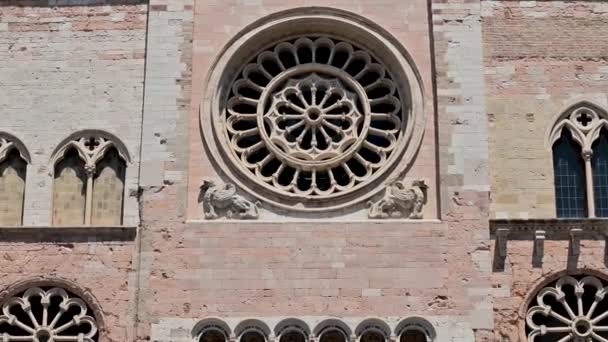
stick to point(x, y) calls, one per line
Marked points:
point(539, 57)
point(218, 22)
point(192, 268)
point(98, 269)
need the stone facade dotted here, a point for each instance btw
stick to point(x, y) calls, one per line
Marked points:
point(150, 222)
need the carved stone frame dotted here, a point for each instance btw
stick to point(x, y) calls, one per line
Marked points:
point(291, 24)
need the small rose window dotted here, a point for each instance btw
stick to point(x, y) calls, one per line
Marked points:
point(573, 308)
point(46, 315)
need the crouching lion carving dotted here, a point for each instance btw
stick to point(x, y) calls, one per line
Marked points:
point(400, 201)
point(223, 200)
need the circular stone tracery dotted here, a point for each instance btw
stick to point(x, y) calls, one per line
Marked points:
point(570, 309)
point(314, 116)
point(47, 314)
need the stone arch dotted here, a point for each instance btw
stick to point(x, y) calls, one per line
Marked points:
point(560, 121)
point(291, 325)
point(14, 159)
point(15, 143)
point(56, 282)
point(332, 325)
point(252, 325)
point(416, 323)
point(113, 141)
point(211, 324)
point(542, 282)
point(373, 324)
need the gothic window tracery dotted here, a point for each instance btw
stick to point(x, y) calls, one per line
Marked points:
point(305, 121)
point(45, 314)
point(579, 142)
point(13, 167)
point(89, 181)
point(572, 308)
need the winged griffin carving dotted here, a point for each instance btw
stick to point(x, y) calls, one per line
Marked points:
point(223, 200)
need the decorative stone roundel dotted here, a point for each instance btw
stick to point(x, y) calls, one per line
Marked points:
point(312, 117)
point(571, 309)
point(41, 315)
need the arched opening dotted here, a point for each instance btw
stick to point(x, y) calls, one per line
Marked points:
point(293, 336)
point(333, 335)
point(569, 175)
point(89, 185)
point(212, 335)
point(413, 335)
point(252, 336)
point(108, 189)
point(599, 164)
point(69, 190)
point(12, 188)
point(372, 336)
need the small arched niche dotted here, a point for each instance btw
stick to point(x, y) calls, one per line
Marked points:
point(252, 330)
point(333, 330)
point(211, 330)
point(373, 330)
point(292, 330)
point(14, 159)
point(415, 329)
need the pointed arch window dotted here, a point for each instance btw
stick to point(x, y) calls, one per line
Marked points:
point(89, 181)
point(13, 168)
point(599, 165)
point(579, 143)
point(569, 170)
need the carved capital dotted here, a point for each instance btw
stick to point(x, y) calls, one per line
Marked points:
point(587, 154)
point(90, 169)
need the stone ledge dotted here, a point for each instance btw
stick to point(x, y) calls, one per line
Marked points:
point(67, 233)
point(555, 227)
point(539, 230)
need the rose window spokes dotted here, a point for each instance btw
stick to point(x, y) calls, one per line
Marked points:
point(46, 316)
point(314, 117)
point(571, 310)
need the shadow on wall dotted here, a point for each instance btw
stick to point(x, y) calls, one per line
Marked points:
point(67, 234)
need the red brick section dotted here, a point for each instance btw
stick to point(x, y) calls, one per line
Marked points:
point(554, 52)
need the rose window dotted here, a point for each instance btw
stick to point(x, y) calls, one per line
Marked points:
point(41, 315)
point(571, 309)
point(309, 120)
point(314, 116)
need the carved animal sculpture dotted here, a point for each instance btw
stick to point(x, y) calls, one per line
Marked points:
point(400, 201)
point(218, 200)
